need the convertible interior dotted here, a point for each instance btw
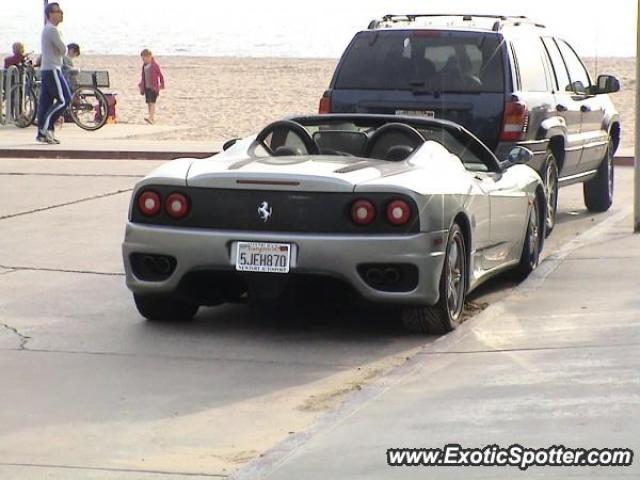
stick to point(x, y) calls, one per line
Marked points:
point(381, 137)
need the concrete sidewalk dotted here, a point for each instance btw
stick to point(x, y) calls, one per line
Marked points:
point(117, 141)
point(555, 363)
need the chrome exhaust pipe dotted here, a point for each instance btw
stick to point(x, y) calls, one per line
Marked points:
point(374, 276)
point(149, 263)
point(163, 266)
point(391, 275)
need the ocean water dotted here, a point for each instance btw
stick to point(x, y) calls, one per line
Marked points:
point(288, 28)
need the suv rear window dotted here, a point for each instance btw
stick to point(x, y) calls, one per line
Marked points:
point(429, 60)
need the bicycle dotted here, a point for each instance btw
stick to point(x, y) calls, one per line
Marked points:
point(22, 95)
point(88, 107)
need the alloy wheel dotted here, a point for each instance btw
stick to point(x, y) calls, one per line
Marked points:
point(534, 235)
point(551, 190)
point(610, 167)
point(455, 276)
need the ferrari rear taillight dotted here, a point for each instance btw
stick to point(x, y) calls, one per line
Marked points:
point(149, 203)
point(363, 212)
point(398, 212)
point(325, 103)
point(177, 206)
point(514, 121)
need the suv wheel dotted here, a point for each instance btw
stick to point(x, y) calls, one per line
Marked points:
point(598, 192)
point(164, 309)
point(551, 191)
point(446, 315)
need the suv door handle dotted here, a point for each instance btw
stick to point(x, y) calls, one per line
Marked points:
point(585, 108)
point(561, 108)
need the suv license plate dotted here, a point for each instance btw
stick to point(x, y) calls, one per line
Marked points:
point(417, 113)
point(263, 257)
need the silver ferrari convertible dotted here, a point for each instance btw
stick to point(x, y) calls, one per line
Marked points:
point(406, 211)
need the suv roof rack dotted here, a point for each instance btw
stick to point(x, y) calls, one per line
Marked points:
point(500, 21)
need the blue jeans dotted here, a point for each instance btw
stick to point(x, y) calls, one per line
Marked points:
point(55, 97)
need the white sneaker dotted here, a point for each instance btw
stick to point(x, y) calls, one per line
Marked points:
point(48, 134)
point(45, 136)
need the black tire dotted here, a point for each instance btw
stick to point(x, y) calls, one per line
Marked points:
point(89, 108)
point(598, 192)
point(164, 309)
point(24, 105)
point(444, 316)
point(532, 243)
point(551, 191)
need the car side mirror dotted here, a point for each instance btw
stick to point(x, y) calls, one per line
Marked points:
point(520, 155)
point(607, 84)
point(229, 143)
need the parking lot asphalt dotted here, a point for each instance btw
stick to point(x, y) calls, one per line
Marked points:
point(90, 390)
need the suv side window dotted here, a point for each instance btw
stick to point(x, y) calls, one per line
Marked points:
point(579, 76)
point(529, 56)
point(559, 67)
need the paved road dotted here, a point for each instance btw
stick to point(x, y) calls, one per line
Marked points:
point(92, 391)
point(555, 363)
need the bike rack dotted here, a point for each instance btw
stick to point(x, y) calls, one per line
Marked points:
point(2, 95)
point(12, 77)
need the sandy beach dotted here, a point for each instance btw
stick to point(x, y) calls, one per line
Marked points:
point(220, 98)
point(217, 98)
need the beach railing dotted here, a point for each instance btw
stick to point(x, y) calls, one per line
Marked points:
point(2, 94)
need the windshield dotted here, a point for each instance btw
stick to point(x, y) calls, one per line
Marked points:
point(423, 61)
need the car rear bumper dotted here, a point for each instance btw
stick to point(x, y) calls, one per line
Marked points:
point(336, 256)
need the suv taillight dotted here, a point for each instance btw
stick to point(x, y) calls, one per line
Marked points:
point(325, 103)
point(514, 121)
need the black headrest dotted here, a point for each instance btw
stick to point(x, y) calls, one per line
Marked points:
point(398, 153)
point(284, 151)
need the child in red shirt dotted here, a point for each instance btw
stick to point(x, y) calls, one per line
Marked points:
point(151, 82)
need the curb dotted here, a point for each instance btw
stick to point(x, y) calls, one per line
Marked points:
point(100, 154)
point(624, 161)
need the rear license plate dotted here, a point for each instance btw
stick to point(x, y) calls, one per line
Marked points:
point(417, 113)
point(263, 257)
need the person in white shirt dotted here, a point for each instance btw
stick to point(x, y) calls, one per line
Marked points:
point(54, 91)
